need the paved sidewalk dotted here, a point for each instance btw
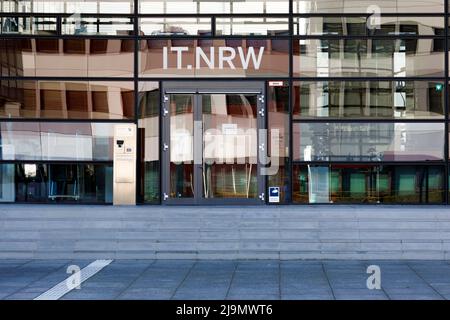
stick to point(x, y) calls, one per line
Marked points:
point(203, 279)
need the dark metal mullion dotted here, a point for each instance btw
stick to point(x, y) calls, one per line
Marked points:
point(290, 167)
point(20, 161)
point(446, 108)
point(265, 123)
point(138, 173)
point(213, 27)
point(367, 37)
point(376, 163)
point(66, 36)
point(63, 120)
point(65, 15)
point(377, 79)
point(211, 37)
point(365, 14)
point(165, 158)
point(164, 136)
point(218, 14)
point(278, 37)
point(218, 79)
point(215, 79)
point(144, 37)
point(280, 15)
point(98, 25)
point(59, 26)
point(160, 140)
point(311, 79)
point(77, 79)
point(364, 120)
point(47, 202)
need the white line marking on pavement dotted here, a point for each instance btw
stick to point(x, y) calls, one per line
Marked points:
point(62, 288)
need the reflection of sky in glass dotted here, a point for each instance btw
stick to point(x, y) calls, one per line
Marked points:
point(150, 6)
point(225, 6)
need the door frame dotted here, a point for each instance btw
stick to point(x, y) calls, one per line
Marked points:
point(196, 88)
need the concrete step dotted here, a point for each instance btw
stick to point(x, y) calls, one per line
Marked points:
point(270, 232)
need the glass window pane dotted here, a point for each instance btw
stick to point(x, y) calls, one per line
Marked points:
point(368, 184)
point(369, 58)
point(66, 99)
point(175, 26)
point(229, 123)
point(68, 6)
point(56, 141)
point(213, 6)
point(362, 26)
point(97, 26)
point(214, 58)
point(28, 25)
point(368, 141)
point(61, 183)
point(148, 123)
point(7, 185)
point(360, 6)
point(278, 170)
point(368, 99)
point(77, 57)
point(181, 110)
point(252, 26)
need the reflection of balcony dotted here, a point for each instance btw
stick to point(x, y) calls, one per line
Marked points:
point(350, 6)
point(70, 100)
point(369, 141)
point(74, 57)
point(363, 58)
point(57, 141)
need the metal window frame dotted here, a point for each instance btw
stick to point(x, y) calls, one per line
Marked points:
point(290, 79)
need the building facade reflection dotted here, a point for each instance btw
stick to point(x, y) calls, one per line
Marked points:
point(352, 109)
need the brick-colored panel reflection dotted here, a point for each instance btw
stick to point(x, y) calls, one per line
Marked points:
point(63, 58)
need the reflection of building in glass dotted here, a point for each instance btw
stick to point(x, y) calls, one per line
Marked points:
point(352, 105)
point(67, 99)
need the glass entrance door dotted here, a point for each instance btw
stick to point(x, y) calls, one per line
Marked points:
point(181, 146)
point(211, 146)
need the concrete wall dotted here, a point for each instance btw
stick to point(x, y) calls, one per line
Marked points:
point(291, 232)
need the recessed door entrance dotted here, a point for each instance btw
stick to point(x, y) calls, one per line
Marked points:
point(211, 146)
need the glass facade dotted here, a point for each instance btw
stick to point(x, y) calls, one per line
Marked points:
point(345, 99)
point(42, 99)
point(366, 183)
point(354, 107)
point(362, 141)
point(58, 183)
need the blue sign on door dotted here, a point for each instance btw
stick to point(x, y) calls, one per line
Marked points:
point(274, 194)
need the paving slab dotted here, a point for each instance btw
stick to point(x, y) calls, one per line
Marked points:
point(231, 280)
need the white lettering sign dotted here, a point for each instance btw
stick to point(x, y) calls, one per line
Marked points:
point(226, 57)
